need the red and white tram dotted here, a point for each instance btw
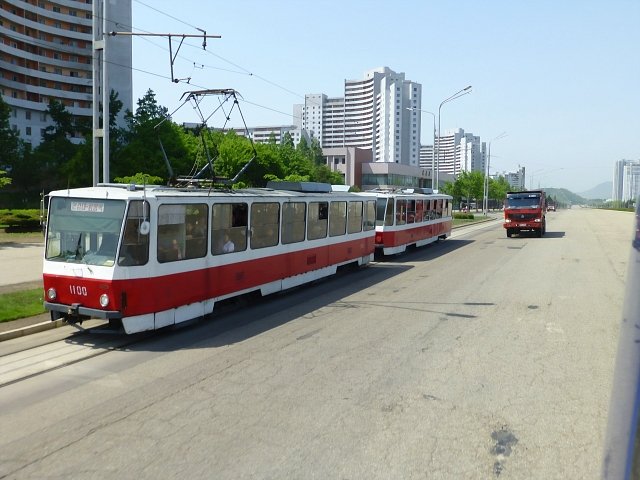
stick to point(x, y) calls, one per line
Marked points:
point(408, 218)
point(151, 257)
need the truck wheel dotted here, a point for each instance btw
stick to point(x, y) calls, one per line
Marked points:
point(509, 232)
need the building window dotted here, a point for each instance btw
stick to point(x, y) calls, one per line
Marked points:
point(28, 131)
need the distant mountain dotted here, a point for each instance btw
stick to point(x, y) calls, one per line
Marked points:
point(602, 191)
point(564, 197)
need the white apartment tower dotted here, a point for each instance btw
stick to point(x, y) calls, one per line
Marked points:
point(372, 115)
point(459, 152)
point(626, 180)
point(377, 116)
point(321, 117)
point(46, 53)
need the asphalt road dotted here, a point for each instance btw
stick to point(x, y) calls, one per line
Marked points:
point(475, 358)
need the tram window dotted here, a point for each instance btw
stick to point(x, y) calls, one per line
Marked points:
point(229, 227)
point(390, 213)
point(401, 215)
point(293, 215)
point(439, 208)
point(317, 220)
point(135, 244)
point(77, 227)
point(419, 211)
point(381, 204)
point(337, 218)
point(265, 224)
point(196, 230)
point(432, 209)
point(369, 215)
point(449, 208)
point(411, 211)
point(354, 217)
point(171, 218)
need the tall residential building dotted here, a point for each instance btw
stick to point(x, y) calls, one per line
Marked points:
point(46, 51)
point(516, 179)
point(626, 180)
point(321, 117)
point(373, 114)
point(459, 152)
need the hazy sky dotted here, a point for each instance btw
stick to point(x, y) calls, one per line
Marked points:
point(560, 78)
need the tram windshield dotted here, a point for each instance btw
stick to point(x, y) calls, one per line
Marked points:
point(81, 230)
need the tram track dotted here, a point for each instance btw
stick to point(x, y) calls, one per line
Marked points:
point(43, 358)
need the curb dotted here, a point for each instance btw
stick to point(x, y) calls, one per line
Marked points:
point(36, 328)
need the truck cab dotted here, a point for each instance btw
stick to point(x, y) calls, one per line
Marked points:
point(525, 211)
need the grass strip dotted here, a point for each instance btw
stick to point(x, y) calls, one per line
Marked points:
point(26, 303)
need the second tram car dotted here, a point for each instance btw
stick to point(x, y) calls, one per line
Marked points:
point(410, 218)
point(150, 257)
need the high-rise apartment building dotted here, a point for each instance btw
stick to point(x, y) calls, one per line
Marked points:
point(373, 114)
point(458, 152)
point(46, 52)
point(321, 117)
point(626, 180)
point(516, 179)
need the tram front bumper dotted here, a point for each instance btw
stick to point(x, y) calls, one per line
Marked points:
point(77, 311)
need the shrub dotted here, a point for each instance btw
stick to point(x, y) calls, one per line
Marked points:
point(464, 216)
point(20, 220)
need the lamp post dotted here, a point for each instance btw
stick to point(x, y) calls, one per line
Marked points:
point(485, 197)
point(433, 151)
point(458, 94)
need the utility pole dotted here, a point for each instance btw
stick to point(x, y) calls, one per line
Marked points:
point(101, 91)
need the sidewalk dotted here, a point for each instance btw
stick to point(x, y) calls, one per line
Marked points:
point(22, 270)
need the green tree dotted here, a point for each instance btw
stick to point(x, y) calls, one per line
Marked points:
point(150, 131)
point(50, 159)
point(287, 141)
point(471, 186)
point(303, 146)
point(498, 189)
point(316, 152)
point(4, 180)
point(9, 138)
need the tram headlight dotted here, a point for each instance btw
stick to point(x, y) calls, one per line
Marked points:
point(51, 294)
point(104, 300)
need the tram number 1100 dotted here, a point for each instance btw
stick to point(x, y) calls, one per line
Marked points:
point(78, 290)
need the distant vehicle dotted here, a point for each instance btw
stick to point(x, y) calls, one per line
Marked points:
point(525, 211)
point(409, 218)
point(551, 208)
point(622, 440)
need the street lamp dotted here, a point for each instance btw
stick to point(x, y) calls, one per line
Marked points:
point(485, 197)
point(458, 94)
point(433, 151)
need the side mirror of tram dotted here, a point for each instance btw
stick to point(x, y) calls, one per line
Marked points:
point(144, 228)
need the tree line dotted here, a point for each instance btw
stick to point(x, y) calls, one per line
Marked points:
point(136, 152)
point(469, 188)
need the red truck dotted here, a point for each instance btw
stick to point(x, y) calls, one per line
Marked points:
point(525, 211)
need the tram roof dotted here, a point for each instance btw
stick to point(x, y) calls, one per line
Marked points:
point(127, 191)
